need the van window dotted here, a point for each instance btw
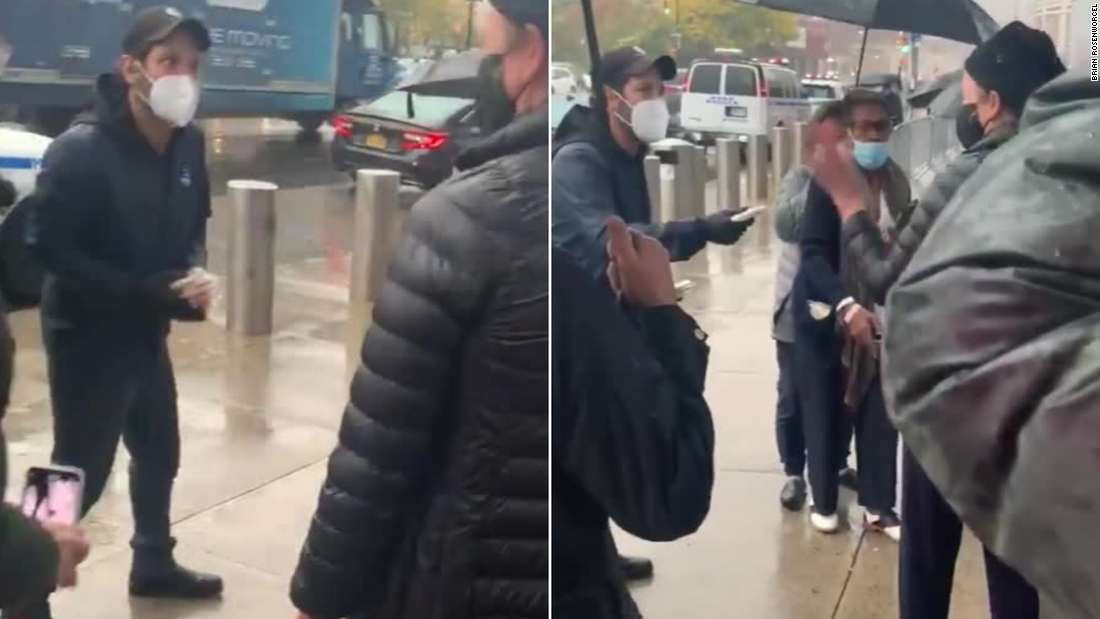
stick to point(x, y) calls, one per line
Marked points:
point(706, 79)
point(560, 74)
point(740, 81)
point(372, 32)
point(781, 84)
point(775, 86)
point(820, 91)
point(793, 89)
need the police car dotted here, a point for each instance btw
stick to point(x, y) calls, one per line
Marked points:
point(21, 157)
point(823, 89)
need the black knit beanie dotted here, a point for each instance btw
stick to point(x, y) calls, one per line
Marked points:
point(1015, 62)
point(523, 12)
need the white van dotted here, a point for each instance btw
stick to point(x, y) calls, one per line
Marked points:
point(740, 99)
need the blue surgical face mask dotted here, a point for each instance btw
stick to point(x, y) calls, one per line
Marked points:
point(871, 155)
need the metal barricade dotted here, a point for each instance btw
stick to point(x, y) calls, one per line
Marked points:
point(250, 269)
point(378, 217)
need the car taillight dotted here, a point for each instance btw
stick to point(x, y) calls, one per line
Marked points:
point(764, 91)
point(342, 124)
point(414, 140)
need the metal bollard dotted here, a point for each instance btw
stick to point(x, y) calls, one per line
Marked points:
point(684, 200)
point(781, 156)
point(653, 182)
point(376, 220)
point(702, 177)
point(758, 169)
point(803, 135)
point(729, 173)
point(250, 277)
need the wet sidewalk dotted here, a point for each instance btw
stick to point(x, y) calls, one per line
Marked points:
point(258, 419)
point(752, 559)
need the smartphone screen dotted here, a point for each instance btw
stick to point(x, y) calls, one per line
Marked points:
point(53, 495)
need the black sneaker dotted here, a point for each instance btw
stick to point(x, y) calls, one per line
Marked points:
point(849, 479)
point(886, 523)
point(178, 583)
point(40, 610)
point(636, 568)
point(793, 495)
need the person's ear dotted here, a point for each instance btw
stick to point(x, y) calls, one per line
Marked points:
point(533, 55)
point(611, 99)
point(996, 104)
point(130, 68)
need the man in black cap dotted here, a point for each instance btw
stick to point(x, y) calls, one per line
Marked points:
point(999, 76)
point(598, 166)
point(119, 224)
point(436, 501)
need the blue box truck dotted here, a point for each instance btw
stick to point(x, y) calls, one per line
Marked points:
point(295, 59)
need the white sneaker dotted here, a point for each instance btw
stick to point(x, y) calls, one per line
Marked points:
point(887, 523)
point(825, 524)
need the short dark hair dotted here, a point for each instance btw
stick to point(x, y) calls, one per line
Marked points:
point(833, 110)
point(860, 98)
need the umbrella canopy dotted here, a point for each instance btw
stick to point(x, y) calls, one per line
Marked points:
point(932, 90)
point(947, 102)
point(958, 20)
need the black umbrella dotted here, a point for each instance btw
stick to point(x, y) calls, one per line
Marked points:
point(928, 93)
point(958, 20)
point(453, 76)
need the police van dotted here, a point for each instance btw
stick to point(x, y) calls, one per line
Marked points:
point(21, 157)
point(739, 99)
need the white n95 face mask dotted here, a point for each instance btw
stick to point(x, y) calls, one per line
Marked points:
point(649, 119)
point(175, 99)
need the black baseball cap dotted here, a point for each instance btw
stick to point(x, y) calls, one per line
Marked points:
point(619, 65)
point(156, 24)
point(522, 12)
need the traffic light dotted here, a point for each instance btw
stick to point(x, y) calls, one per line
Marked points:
point(668, 9)
point(903, 42)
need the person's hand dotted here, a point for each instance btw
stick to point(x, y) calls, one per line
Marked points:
point(198, 289)
point(836, 171)
point(303, 616)
point(72, 548)
point(639, 267)
point(861, 325)
point(721, 230)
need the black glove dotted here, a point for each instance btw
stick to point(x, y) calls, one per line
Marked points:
point(719, 229)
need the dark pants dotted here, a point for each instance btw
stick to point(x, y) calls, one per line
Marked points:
point(824, 419)
point(104, 388)
point(929, 546)
point(789, 432)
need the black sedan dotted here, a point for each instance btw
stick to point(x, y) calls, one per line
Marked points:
point(414, 134)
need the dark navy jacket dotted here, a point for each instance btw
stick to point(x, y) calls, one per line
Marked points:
point(593, 179)
point(113, 220)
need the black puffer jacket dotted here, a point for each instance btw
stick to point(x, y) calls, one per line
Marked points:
point(992, 355)
point(435, 505)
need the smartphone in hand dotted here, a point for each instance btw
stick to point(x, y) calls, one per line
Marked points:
point(747, 214)
point(53, 494)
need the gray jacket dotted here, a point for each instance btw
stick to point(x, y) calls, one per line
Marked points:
point(878, 264)
point(789, 207)
point(992, 360)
